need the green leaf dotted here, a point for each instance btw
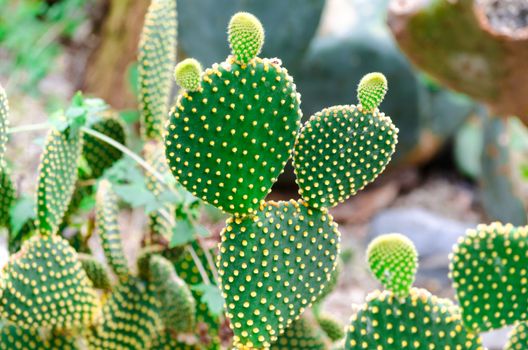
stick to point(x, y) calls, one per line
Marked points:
point(182, 233)
point(211, 296)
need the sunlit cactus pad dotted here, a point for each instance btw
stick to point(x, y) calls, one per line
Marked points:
point(7, 196)
point(393, 260)
point(98, 154)
point(157, 56)
point(339, 151)
point(273, 266)
point(518, 338)
point(418, 321)
point(489, 268)
point(16, 338)
point(57, 177)
point(44, 285)
point(228, 142)
point(4, 122)
point(130, 318)
point(301, 335)
point(166, 342)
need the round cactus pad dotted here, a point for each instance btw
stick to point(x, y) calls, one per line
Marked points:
point(301, 335)
point(273, 266)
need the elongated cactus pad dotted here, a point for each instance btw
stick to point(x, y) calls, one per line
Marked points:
point(16, 338)
point(108, 228)
point(333, 329)
point(179, 307)
point(99, 154)
point(95, 271)
point(489, 268)
point(166, 342)
point(393, 259)
point(246, 36)
point(301, 335)
point(371, 91)
point(518, 338)
point(157, 58)
point(44, 285)
point(418, 321)
point(339, 151)
point(273, 266)
point(57, 177)
point(4, 123)
point(7, 195)
point(228, 142)
point(130, 318)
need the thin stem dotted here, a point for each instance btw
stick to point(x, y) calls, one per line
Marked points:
point(29, 127)
point(209, 258)
point(128, 152)
point(199, 264)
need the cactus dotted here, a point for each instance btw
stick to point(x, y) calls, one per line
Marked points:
point(332, 328)
point(393, 260)
point(44, 285)
point(208, 128)
point(15, 338)
point(489, 276)
point(166, 342)
point(518, 338)
point(108, 229)
point(95, 271)
point(357, 145)
point(157, 56)
point(4, 124)
point(291, 261)
point(417, 321)
point(7, 196)
point(301, 335)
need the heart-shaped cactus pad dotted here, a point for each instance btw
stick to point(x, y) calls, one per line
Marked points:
point(418, 321)
point(44, 285)
point(272, 266)
point(489, 268)
point(339, 151)
point(228, 141)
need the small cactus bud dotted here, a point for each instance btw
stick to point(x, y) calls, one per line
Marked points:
point(371, 90)
point(246, 36)
point(188, 74)
point(393, 259)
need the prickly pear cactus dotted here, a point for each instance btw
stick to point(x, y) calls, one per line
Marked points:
point(44, 285)
point(343, 148)
point(4, 123)
point(518, 338)
point(488, 268)
point(95, 271)
point(333, 329)
point(16, 338)
point(108, 229)
point(157, 57)
point(393, 260)
point(292, 250)
point(384, 323)
point(7, 196)
point(57, 177)
point(166, 342)
point(301, 335)
point(218, 135)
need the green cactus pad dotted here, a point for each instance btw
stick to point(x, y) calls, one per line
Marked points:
point(301, 335)
point(489, 272)
point(108, 228)
point(246, 37)
point(418, 321)
point(228, 142)
point(339, 151)
point(44, 285)
point(179, 307)
point(332, 328)
point(4, 124)
point(518, 338)
point(371, 91)
point(273, 266)
point(16, 338)
point(332, 283)
point(393, 259)
point(57, 177)
point(95, 271)
point(130, 318)
point(98, 154)
point(7, 196)
point(166, 342)
point(188, 74)
point(157, 58)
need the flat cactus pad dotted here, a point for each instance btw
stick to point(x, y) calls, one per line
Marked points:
point(273, 266)
point(44, 285)
point(166, 342)
point(228, 142)
point(419, 321)
point(301, 335)
point(16, 338)
point(7, 196)
point(339, 151)
point(518, 339)
point(489, 268)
